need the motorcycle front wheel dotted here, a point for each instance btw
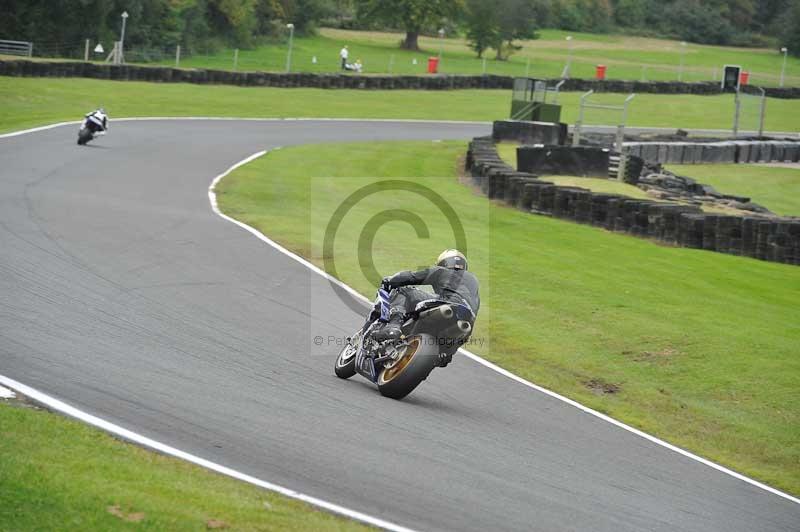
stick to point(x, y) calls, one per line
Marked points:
point(414, 365)
point(346, 361)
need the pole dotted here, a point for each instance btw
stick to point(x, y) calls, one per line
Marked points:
point(289, 52)
point(178, 56)
point(86, 52)
point(763, 112)
point(783, 68)
point(680, 69)
point(441, 43)
point(576, 133)
point(736, 115)
point(120, 56)
point(235, 59)
point(566, 73)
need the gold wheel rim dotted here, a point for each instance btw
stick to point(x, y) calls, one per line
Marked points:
point(390, 373)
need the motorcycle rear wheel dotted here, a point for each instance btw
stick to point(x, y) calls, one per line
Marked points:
point(84, 136)
point(411, 369)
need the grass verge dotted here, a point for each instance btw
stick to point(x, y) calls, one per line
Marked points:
point(59, 474)
point(29, 102)
point(698, 348)
point(774, 187)
point(625, 57)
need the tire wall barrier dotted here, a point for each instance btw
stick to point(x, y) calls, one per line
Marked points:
point(737, 151)
point(27, 68)
point(776, 240)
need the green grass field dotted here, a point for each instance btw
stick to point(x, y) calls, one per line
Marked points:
point(624, 56)
point(776, 188)
point(29, 102)
point(59, 474)
point(701, 348)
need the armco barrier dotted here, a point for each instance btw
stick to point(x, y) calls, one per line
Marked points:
point(27, 68)
point(771, 239)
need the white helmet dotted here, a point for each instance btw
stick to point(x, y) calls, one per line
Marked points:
point(453, 259)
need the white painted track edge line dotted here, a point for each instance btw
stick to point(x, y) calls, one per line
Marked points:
point(71, 411)
point(258, 234)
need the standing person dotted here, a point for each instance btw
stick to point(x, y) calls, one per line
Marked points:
point(343, 54)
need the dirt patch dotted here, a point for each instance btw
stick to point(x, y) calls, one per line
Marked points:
point(601, 387)
point(660, 357)
point(133, 517)
point(213, 524)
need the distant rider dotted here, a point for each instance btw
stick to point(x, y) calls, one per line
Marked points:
point(450, 280)
point(97, 120)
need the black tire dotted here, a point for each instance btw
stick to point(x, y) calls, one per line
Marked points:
point(84, 136)
point(346, 368)
point(408, 373)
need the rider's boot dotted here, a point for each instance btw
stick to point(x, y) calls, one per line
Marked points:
point(392, 329)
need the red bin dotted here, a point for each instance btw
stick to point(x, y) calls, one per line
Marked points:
point(600, 72)
point(433, 65)
point(744, 77)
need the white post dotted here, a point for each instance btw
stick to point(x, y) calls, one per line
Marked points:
point(86, 52)
point(783, 68)
point(177, 56)
point(566, 73)
point(120, 56)
point(441, 43)
point(235, 59)
point(289, 52)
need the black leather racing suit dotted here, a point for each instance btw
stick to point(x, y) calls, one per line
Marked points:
point(456, 286)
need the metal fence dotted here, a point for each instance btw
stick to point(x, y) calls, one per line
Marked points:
point(750, 109)
point(16, 48)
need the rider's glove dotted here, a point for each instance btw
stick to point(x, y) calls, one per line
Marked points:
point(386, 283)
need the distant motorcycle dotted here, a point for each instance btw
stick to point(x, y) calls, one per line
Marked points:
point(86, 133)
point(93, 125)
point(431, 333)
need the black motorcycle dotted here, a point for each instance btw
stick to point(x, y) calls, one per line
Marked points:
point(431, 334)
point(88, 132)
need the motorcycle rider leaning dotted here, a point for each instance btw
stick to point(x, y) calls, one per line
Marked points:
point(450, 280)
point(97, 120)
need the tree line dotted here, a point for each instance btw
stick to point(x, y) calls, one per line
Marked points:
point(489, 25)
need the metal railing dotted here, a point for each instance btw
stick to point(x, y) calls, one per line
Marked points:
point(585, 104)
point(24, 48)
point(743, 97)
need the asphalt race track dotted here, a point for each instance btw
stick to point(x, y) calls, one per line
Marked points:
point(123, 294)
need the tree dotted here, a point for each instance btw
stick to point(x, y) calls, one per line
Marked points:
point(482, 25)
point(517, 19)
point(498, 24)
point(413, 16)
